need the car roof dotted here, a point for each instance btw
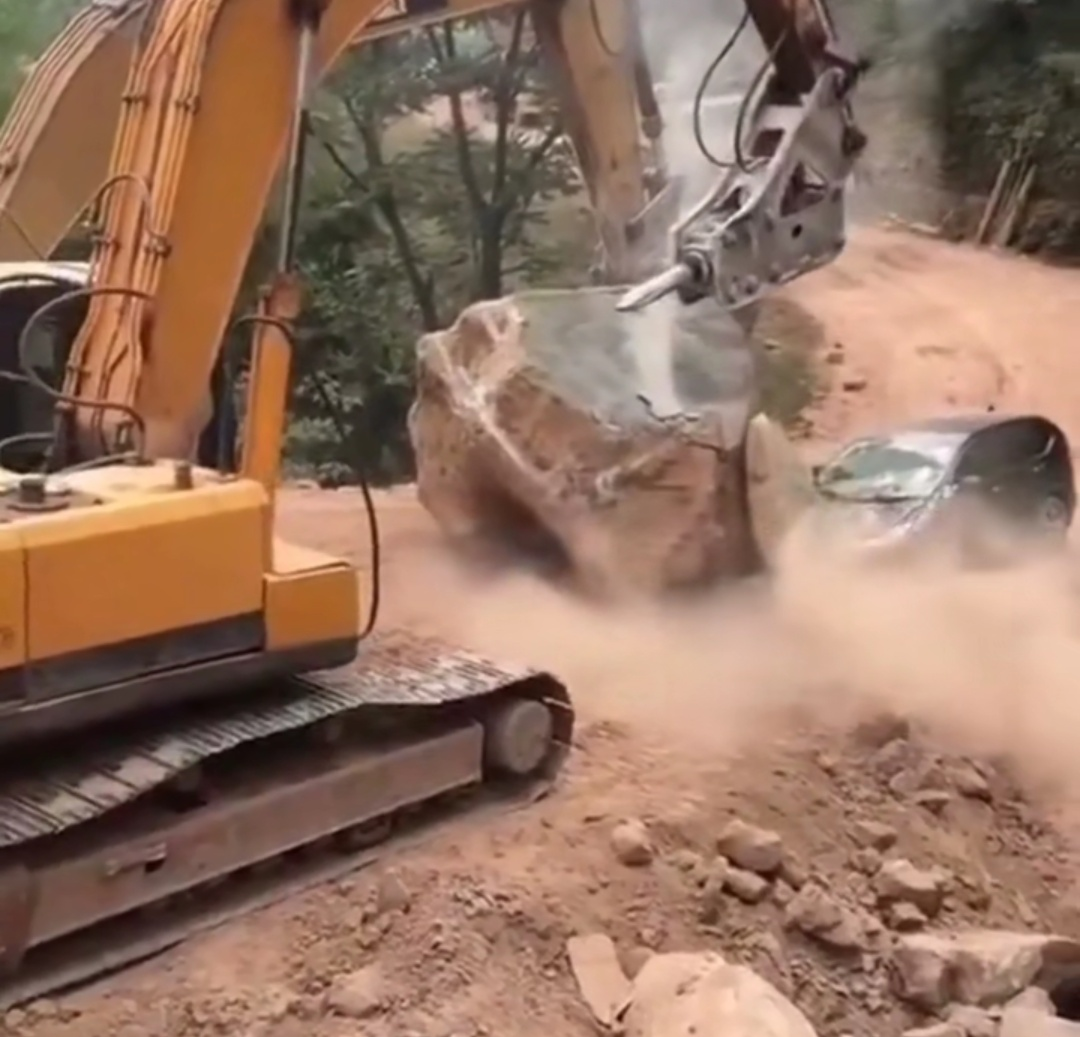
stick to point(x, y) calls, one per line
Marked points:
point(966, 424)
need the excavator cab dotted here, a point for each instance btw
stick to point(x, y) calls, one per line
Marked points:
point(26, 412)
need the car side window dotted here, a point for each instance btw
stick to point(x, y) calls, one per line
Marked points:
point(1027, 441)
point(981, 456)
point(1036, 442)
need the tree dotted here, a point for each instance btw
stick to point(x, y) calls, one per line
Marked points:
point(1009, 82)
point(438, 154)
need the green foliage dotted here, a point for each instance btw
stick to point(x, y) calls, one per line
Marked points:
point(995, 78)
point(789, 341)
point(26, 26)
point(427, 191)
point(1010, 81)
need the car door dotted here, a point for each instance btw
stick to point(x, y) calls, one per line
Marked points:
point(986, 495)
point(1025, 453)
point(979, 467)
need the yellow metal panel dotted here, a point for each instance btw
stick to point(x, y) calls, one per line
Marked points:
point(102, 575)
point(310, 598)
point(12, 600)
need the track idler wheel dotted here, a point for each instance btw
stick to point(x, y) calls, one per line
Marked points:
point(518, 737)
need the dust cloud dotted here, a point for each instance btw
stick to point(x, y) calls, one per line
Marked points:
point(987, 658)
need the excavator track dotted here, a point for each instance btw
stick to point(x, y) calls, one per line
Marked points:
point(112, 852)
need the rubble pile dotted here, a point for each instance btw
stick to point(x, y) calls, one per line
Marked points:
point(867, 884)
point(880, 938)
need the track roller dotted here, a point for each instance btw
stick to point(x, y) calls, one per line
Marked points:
point(518, 737)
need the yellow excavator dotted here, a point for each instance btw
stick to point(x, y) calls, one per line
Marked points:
point(184, 696)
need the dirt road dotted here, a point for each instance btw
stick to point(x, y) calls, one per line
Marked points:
point(929, 327)
point(688, 718)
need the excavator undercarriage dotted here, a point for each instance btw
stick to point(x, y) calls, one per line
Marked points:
point(135, 836)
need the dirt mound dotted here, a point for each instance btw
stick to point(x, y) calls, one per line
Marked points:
point(805, 860)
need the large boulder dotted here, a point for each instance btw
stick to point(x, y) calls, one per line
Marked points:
point(530, 431)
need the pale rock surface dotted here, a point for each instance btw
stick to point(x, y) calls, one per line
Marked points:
point(780, 486)
point(1026, 1022)
point(359, 994)
point(751, 847)
point(900, 880)
point(977, 967)
point(529, 431)
point(701, 994)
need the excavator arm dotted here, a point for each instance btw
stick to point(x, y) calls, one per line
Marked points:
point(777, 211)
point(205, 128)
point(54, 145)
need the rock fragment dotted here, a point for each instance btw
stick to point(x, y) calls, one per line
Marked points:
point(814, 912)
point(1034, 998)
point(595, 965)
point(873, 835)
point(1023, 1022)
point(866, 861)
point(520, 441)
point(972, 1021)
point(900, 880)
point(633, 958)
point(934, 800)
point(895, 758)
point(391, 893)
point(631, 843)
point(793, 872)
point(747, 886)
point(747, 846)
point(688, 861)
point(358, 995)
point(905, 918)
point(970, 783)
point(782, 894)
point(703, 995)
point(711, 905)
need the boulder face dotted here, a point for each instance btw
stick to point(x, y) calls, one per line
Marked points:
point(530, 431)
point(703, 995)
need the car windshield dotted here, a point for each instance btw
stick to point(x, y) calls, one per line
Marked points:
point(909, 466)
